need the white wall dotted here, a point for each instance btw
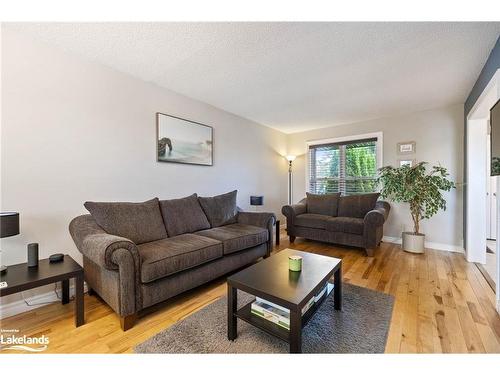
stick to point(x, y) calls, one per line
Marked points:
point(74, 131)
point(439, 137)
point(477, 135)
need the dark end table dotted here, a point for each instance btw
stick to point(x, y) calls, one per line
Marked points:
point(277, 232)
point(271, 280)
point(20, 277)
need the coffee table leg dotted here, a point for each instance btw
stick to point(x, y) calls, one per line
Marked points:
point(337, 290)
point(79, 304)
point(65, 291)
point(232, 303)
point(295, 331)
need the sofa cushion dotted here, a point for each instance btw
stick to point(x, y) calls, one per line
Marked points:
point(312, 221)
point(175, 254)
point(357, 205)
point(183, 215)
point(352, 225)
point(139, 222)
point(236, 237)
point(323, 204)
point(221, 209)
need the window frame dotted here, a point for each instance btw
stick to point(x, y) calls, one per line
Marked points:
point(349, 138)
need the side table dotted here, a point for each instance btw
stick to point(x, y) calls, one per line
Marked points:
point(20, 277)
point(277, 232)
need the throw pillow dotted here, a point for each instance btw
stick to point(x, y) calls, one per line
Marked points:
point(357, 205)
point(323, 204)
point(139, 222)
point(183, 215)
point(221, 209)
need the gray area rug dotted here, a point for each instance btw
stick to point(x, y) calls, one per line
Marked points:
point(361, 327)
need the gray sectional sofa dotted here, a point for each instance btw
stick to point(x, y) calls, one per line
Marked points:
point(138, 254)
point(356, 220)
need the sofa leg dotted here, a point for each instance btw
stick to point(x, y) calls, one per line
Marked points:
point(127, 322)
point(292, 239)
point(369, 252)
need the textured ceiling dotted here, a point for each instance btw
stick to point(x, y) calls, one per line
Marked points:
point(291, 76)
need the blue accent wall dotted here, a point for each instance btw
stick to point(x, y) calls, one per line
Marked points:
point(489, 69)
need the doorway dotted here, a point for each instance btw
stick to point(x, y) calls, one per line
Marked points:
point(488, 269)
point(491, 195)
point(482, 190)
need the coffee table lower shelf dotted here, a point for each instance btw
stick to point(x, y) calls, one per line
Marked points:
point(245, 314)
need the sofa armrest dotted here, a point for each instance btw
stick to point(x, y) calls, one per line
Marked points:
point(378, 215)
point(374, 222)
point(260, 219)
point(97, 245)
point(291, 211)
point(374, 218)
point(114, 253)
point(101, 248)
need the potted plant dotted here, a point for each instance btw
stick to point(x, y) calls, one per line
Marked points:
point(422, 190)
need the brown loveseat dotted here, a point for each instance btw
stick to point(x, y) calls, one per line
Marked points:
point(356, 220)
point(138, 254)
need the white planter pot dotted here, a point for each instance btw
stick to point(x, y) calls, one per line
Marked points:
point(413, 243)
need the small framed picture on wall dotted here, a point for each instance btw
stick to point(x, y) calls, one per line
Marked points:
point(409, 162)
point(406, 148)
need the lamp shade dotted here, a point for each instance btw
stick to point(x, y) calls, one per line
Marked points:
point(290, 157)
point(256, 200)
point(9, 224)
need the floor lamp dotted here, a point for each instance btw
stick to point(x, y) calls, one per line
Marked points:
point(290, 159)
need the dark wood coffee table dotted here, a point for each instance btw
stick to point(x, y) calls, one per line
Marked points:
point(271, 279)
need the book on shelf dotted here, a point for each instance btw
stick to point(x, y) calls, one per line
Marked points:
point(271, 313)
point(326, 289)
point(281, 315)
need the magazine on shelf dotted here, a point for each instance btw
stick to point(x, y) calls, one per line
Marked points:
point(326, 289)
point(281, 315)
point(271, 313)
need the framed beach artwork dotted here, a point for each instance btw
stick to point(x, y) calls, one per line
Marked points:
point(183, 141)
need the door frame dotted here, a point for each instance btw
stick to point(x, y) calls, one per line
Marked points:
point(477, 174)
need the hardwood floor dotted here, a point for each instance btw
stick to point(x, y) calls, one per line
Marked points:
point(443, 305)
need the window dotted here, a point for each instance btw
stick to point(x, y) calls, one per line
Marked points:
point(348, 166)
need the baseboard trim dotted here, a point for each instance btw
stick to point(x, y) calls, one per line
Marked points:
point(43, 299)
point(429, 245)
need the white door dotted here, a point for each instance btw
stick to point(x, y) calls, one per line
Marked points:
point(489, 192)
point(491, 196)
point(493, 209)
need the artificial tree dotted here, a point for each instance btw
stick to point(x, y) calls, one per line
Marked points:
point(419, 187)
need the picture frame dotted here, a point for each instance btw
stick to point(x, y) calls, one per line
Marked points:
point(405, 148)
point(409, 162)
point(183, 141)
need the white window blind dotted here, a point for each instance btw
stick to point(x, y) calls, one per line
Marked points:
point(346, 167)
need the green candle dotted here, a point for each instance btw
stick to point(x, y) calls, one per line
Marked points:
point(295, 263)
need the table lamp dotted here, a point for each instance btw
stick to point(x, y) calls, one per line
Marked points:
point(256, 200)
point(9, 226)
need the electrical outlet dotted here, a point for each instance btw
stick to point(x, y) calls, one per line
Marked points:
point(3, 284)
